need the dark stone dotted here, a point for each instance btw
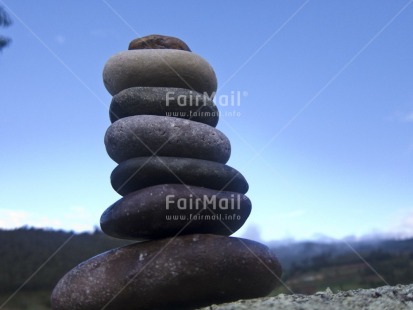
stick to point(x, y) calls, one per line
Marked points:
point(164, 101)
point(186, 272)
point(169, 209)
point(159, 68)
point(157, 41)
point(140, 172)
point(147, 135)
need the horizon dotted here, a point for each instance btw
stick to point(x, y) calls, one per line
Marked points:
point(270, 243)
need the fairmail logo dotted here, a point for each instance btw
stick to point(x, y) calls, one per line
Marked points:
point(233, 99)
point(203, 202)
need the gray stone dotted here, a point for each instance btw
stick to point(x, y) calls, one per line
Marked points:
point(164, 101)
point(159, 68)
point(398, 297)
point(156, 41)
point(140, 172)
point(170, 209)
point(175, 273)
point(147, 135)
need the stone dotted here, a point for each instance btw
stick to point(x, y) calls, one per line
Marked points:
point(174, 273)
point(386, 297)
point(159, 68)
point(170, 209)
point(140, 172)
point(164, 101)
point(156, 41)
point(147, 135)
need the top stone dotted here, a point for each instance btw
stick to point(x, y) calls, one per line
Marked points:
point(156, 41)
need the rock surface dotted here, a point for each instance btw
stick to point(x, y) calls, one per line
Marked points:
point(157, 41)
point(164, 101)
point(147, 135)
point(140, 172)
point(398, 297)
point(159, 68)
point(167, 210)
point(175, 273)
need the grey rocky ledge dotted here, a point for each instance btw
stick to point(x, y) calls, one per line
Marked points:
point(398, 297)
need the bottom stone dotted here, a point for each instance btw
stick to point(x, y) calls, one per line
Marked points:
point(174, 273)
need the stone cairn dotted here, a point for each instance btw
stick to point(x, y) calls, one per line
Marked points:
point(178, 194)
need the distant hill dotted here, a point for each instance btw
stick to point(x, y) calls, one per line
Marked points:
point(310, 266)
point(302, 253)
point(24, 251)
point(44, 256)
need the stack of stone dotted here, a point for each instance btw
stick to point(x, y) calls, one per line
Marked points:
point(178, 194)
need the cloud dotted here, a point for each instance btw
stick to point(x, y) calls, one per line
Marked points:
point(253, 232)
point(402, 226)
point(406, 225)
point(77, 218)
point(10, 219)
point(81, 218)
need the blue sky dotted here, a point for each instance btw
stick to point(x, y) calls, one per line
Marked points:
point(323, 132)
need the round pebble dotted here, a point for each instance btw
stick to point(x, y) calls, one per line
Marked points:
point(186, 272)
point(140, 172)
point(169, 209)
point(147, 135)
point(159, 68)
point(164, 101)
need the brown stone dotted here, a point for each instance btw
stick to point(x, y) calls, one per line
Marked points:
point(157, 41)
point(186, 272)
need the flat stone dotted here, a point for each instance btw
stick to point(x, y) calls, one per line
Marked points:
point(170, 209)
point(140, 172)
point(164, 101)
point(175, 273)
point(157, 41)
point(159, 68)
point(147, 135)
